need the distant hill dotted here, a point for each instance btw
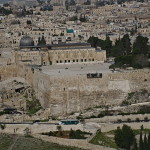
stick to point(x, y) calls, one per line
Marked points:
point(4, 1)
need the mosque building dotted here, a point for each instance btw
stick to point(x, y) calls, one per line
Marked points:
point(64, 53)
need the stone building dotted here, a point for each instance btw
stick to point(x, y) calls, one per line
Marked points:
point(28, 53)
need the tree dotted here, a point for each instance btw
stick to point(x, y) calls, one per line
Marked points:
point(29, 22)
point(140, 61)
point(140, 45)
point(141, 142)
point(93, 40)
point(145, 144)
point(6, 5)
point(118, 49)
point(133, 31)
point(148, 141)
point(124, 137)
point(41, 41)
point(126, 44)
point(108, 45)
point(118, 137)
point(135, 147)
point(59, 128)
point(83, 19)
point(27, 132)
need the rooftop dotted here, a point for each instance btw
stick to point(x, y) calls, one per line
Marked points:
point(76, 69)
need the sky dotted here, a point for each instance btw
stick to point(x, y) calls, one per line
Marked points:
point(4, 1)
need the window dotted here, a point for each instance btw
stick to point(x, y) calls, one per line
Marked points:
point(60, 61)
point(65, 61)
point(73, 60)
point(81, 60)
point(69, 61)
point(56, 61)
point(85, 60)
point(93, 59)
point(77, 60)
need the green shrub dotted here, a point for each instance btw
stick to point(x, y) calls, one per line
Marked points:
point(125, 103)
point(146, 119)
point(78, 134)
point(3, 126)
point(33, 106)
point(129, 120)
point(137, 120)
point(119, 120)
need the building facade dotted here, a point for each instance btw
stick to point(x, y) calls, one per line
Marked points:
point(57, 53)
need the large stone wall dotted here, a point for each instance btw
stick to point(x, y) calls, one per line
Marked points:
point(7, 72)
point(66, 94)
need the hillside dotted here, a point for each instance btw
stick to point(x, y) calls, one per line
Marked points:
point(15, 142)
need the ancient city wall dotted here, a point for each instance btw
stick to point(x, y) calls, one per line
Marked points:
point(67, 94)
point(7, 72)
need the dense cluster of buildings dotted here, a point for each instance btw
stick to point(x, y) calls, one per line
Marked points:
point(66, 28)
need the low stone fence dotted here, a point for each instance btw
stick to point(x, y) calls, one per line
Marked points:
point(37, 128)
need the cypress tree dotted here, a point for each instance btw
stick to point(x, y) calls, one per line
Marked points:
point(135, 145)
point(39, 41)
point(141, 142)
point(148, 141)
point(126, 44)
point(43, 42)
point(145, 142)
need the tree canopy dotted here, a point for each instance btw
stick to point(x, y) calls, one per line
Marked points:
point(126, 55)
point(124, 137)
point(41, 41)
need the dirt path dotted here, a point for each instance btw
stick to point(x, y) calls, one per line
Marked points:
point(14, 142)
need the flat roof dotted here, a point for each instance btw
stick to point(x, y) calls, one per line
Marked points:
point(58, 70)
point(58, 45)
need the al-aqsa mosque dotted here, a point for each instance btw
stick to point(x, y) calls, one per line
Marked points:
point(64, 53)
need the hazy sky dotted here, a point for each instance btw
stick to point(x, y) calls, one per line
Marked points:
point(4, 1)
